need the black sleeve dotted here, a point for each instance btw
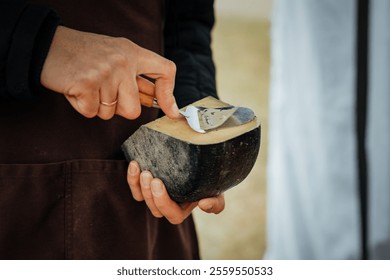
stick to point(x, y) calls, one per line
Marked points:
point(25, 38)
point(188, 43)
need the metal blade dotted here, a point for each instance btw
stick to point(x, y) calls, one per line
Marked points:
point(241, 116)
point(202, 119)
point(191, 114)
point(210, 118)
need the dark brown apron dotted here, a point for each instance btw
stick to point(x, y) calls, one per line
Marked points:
point(63, 188)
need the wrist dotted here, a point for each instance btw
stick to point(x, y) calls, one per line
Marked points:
point(43, 42)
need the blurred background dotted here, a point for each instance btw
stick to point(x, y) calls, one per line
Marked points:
point(242, 57)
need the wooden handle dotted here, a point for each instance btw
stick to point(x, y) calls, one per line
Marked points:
point(146, 99)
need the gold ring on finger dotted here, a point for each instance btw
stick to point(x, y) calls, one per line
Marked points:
point(109, 103)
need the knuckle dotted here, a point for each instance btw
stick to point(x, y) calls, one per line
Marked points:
point(177, 220)
point(118, 59)
point(174, 218)
point(89, 80)
point(94, 77)
point(121, 41)
point(132, 114)
point(83, 101)
point(88, 111)
point(89, 114)
point(170, 67)
point(124, 44)
point(157, 214)
point(105, 117)
point(104, 72)
point(74, 92)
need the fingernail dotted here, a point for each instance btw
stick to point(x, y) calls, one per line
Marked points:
point(175, 110)
point(145, 179)
point(133, 169)
point(157, 189)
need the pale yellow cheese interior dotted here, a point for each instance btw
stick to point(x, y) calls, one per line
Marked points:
point(180, 129)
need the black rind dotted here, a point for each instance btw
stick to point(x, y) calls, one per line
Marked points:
point(192, 172)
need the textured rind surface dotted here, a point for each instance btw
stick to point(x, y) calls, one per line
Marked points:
point(192, 172)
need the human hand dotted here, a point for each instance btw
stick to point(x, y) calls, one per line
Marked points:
point(152, 190)
point(99, 75)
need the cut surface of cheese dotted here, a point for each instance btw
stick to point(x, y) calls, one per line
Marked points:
point(182, 131)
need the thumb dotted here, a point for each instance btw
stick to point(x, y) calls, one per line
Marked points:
point(165, 97)
point(163, 71)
